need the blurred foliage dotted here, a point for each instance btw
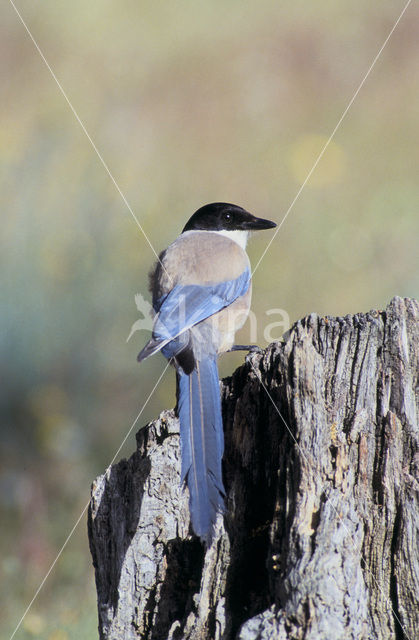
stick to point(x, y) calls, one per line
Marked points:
point(188, 103)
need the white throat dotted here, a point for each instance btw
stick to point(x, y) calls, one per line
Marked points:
point(240, 237)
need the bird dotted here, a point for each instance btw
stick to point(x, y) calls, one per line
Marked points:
point(201, 292)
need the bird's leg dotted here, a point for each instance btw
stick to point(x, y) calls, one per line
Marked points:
point(177, 396)
point(252, 348)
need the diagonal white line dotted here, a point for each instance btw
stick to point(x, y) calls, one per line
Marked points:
point(332, 135)
point(86, 506)
point(87, 135)
point(151, 246)
point(386, 598)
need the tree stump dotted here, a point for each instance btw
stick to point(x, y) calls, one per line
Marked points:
point(321, 531)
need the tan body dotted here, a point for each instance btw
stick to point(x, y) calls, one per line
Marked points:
point(205, 258)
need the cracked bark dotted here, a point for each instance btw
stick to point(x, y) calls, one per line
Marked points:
point(320, 536)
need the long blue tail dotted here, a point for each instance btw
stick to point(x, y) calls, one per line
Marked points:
point(202, 444)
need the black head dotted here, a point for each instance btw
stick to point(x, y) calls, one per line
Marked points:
point(221, 216)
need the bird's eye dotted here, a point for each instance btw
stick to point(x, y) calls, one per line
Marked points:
point(227, 217)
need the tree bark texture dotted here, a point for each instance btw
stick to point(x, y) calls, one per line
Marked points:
point(320, 539)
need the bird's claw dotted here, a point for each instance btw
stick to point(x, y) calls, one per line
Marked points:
point(250, 348)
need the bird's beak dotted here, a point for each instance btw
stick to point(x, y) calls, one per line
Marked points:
point(256, 224)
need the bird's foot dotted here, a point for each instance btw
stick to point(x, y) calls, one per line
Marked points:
point(251, 348)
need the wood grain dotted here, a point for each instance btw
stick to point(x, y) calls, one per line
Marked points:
point(320, 538)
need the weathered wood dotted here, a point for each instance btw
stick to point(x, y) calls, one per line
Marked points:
point(320, 537)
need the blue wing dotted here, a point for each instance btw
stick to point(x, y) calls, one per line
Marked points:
point(186, 305)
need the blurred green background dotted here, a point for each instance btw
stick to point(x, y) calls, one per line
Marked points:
point(188, 103)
